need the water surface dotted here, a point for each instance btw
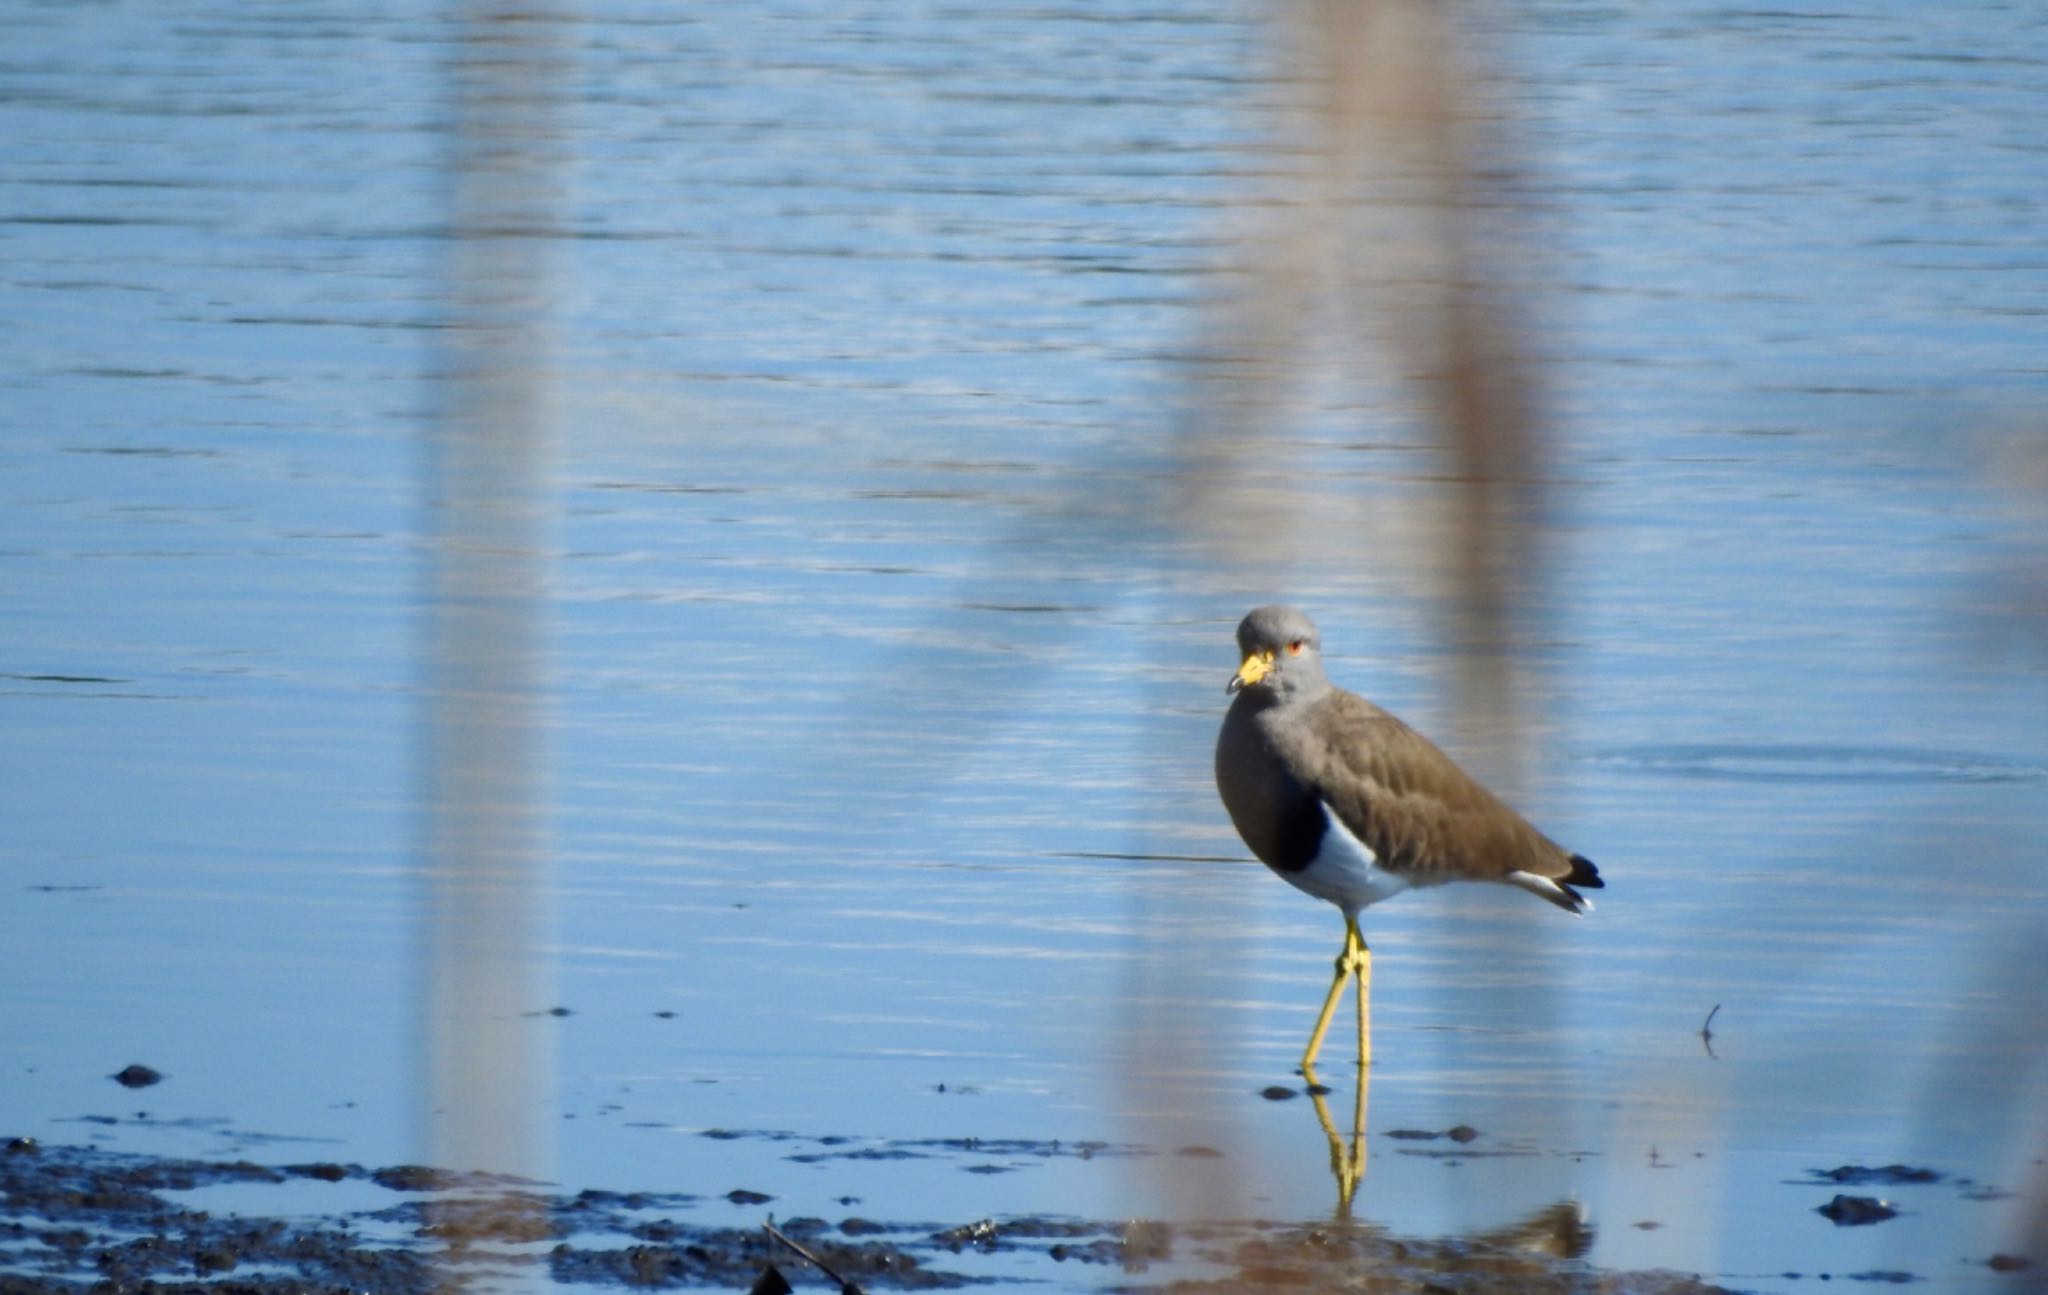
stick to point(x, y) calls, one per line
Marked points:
point(880, 693)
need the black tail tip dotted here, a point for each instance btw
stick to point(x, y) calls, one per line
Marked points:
point(1584, 874)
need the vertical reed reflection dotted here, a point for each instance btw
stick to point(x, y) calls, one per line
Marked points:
point(2010, 973)
point(1390, 248)
point(487, 474)
point(1383, 254)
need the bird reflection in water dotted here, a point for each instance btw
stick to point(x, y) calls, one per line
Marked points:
point(1347, 1153)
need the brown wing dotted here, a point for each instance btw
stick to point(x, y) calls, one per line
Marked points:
point(1418, 812)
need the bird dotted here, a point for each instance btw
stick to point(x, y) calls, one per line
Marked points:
point(1349, 804)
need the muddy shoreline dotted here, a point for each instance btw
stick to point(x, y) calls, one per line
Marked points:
point(86, 1219)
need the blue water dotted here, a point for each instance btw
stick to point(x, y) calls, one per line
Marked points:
point(882, 666)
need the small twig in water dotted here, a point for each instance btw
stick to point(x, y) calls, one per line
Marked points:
point(845, 1287)
point(1707, 1030)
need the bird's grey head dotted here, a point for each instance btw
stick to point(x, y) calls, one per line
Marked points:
point(1282, 653)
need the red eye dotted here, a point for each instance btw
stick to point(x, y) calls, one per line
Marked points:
point(1294, 648)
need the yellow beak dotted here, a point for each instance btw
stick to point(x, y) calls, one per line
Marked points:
point(1255, 667)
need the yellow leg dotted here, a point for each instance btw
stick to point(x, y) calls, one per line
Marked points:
point(1355, 959)
point(1361, 967)
point(1347, 1162)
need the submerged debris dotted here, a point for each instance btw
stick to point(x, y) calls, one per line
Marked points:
point(981, 1234)
point(775, 1280)
point(771, 1282)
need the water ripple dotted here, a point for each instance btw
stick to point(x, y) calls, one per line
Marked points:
point(1765, 762)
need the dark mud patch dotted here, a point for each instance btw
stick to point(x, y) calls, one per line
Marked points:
point(74, 1219)
point(1461, 1133)
point(1856, 1211)
point(1461, 1137)
point(1882, 1176)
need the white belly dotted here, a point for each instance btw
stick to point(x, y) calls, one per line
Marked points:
point(1345, 872)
